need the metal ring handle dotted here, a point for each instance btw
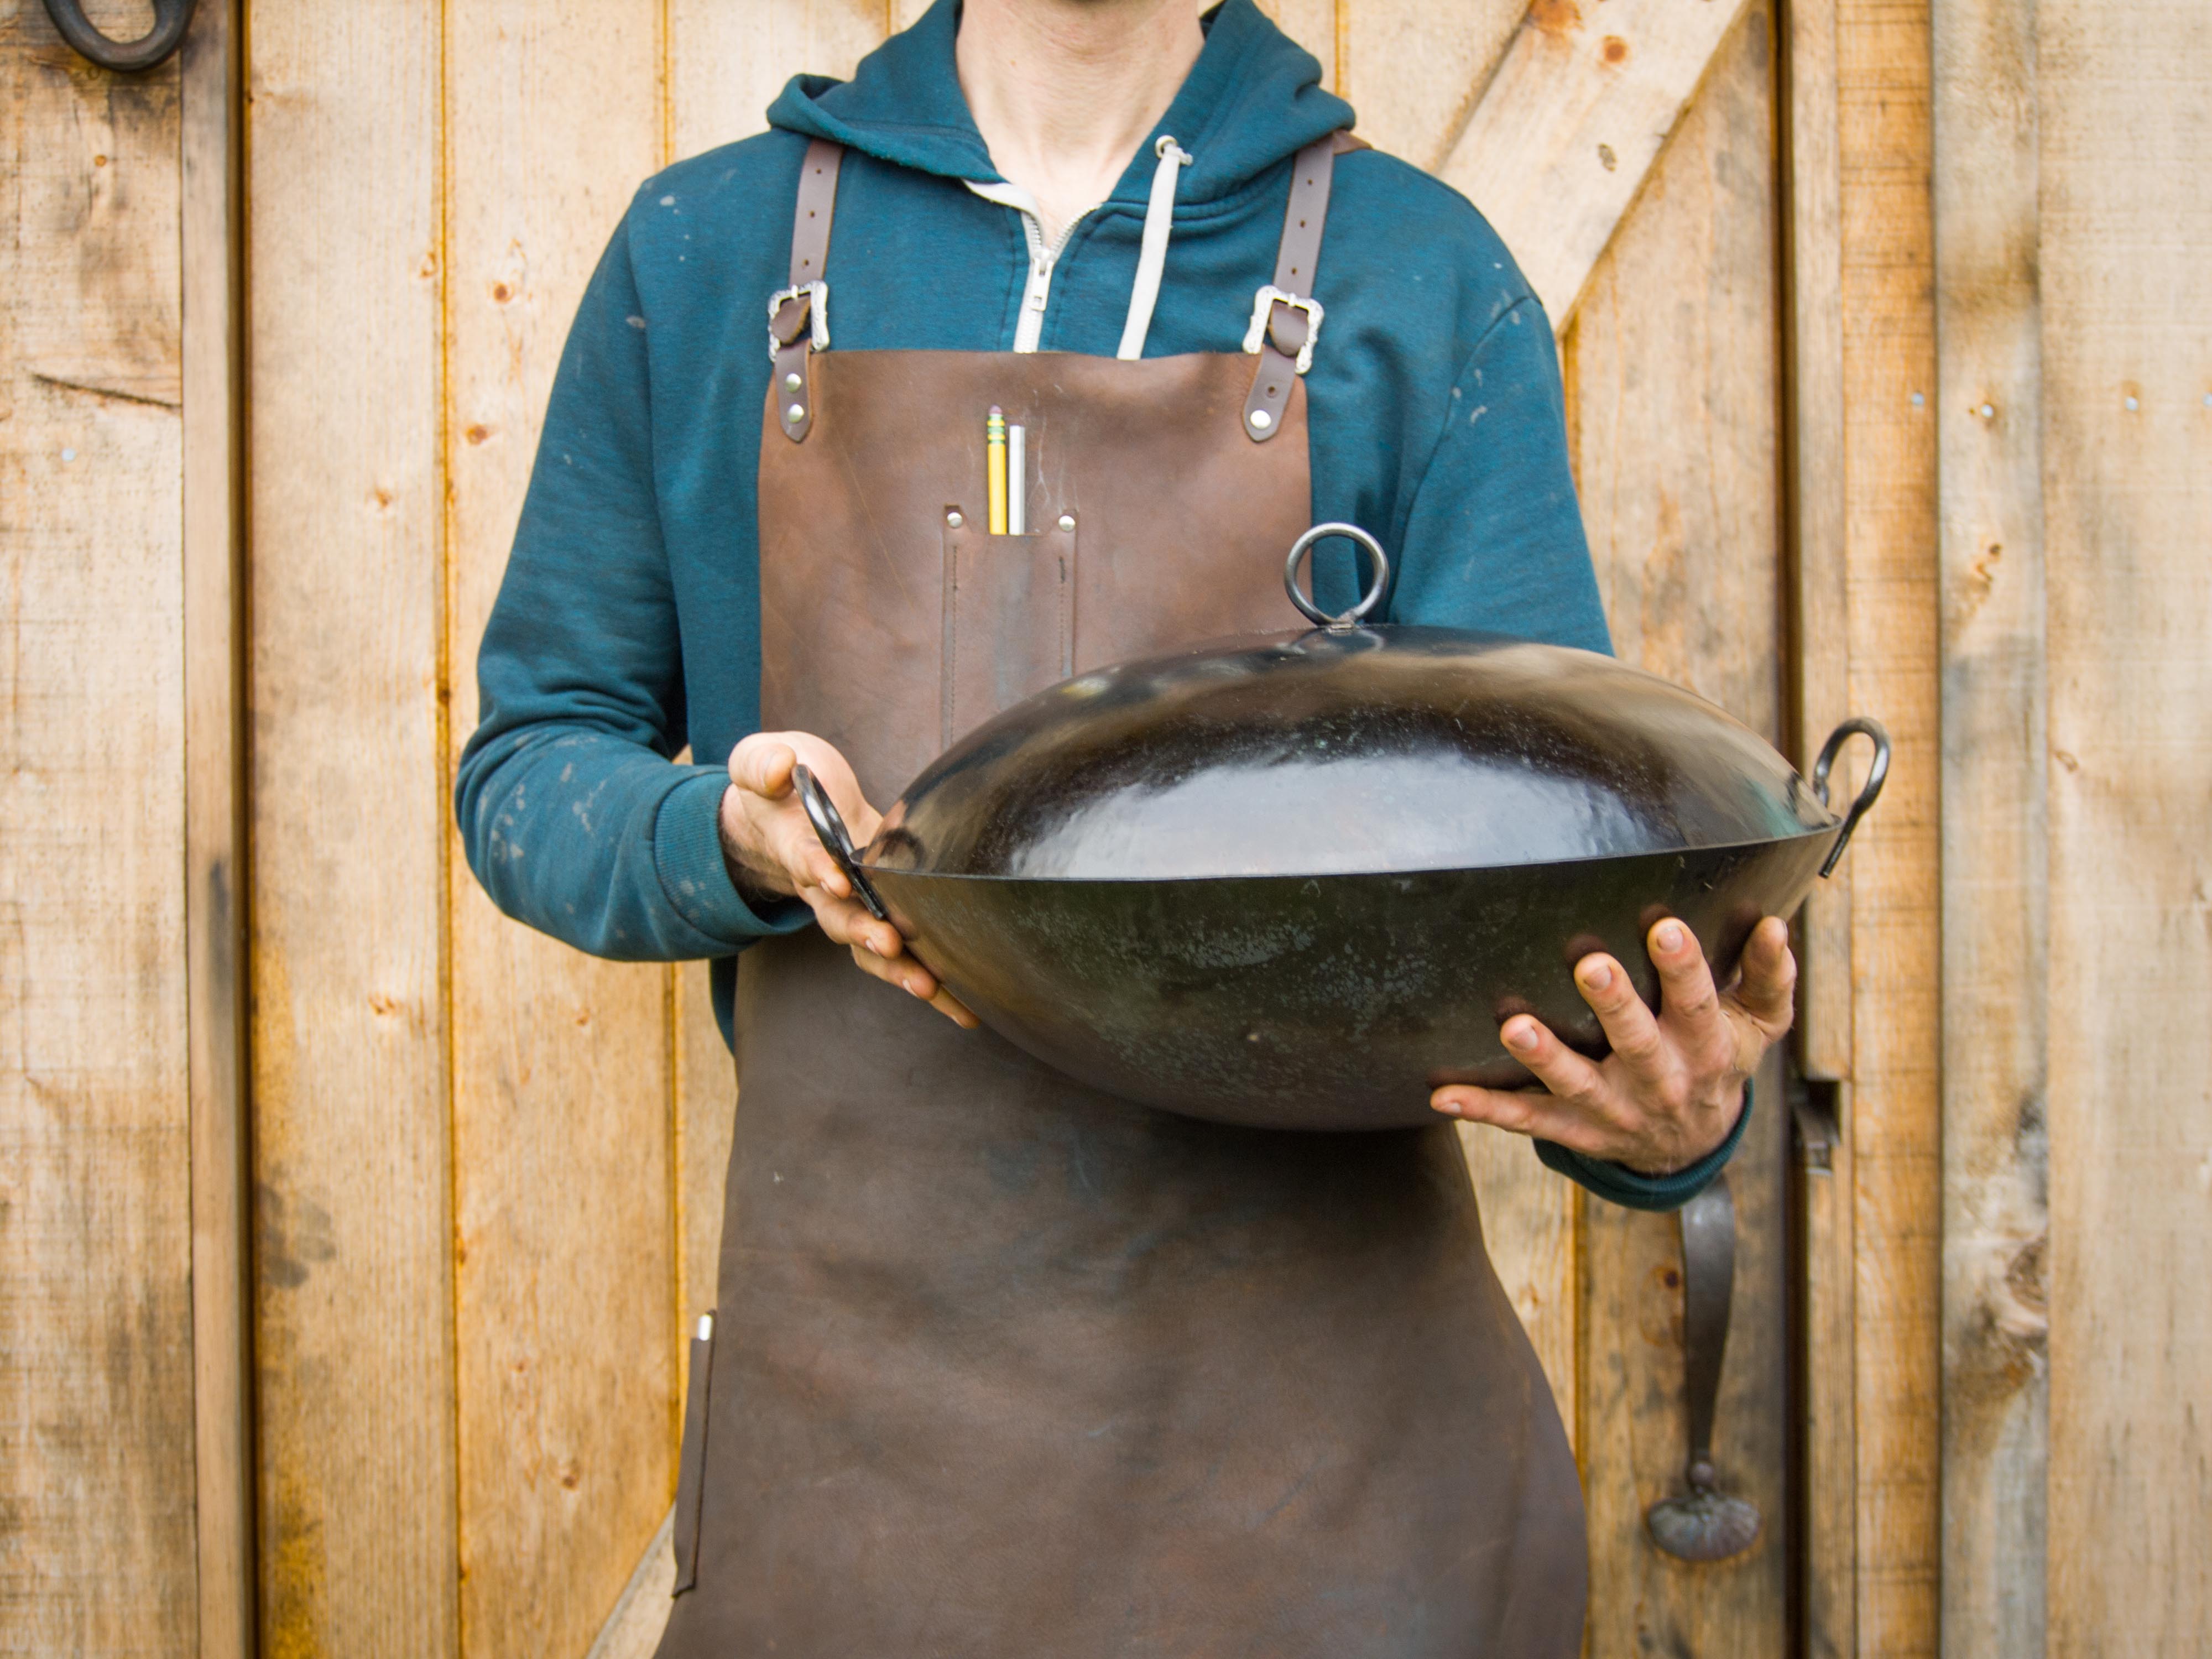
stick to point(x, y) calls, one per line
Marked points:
point(171, 19)
point(1869, 791)
point(830, 824)
point(1314, 613)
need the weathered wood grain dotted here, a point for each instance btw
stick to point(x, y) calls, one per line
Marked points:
point(563, 1276)
point(213, 212)
point(1891, 541)
point(726, 62)
point(1676, 377)
point(1995, 964)
point(1416, 71)
point(2126, 262)
point(350, 1033)
point(1564, 134)
point(96, 1464)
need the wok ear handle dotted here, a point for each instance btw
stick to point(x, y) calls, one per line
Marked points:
point(1869, 791)
point(830, 824)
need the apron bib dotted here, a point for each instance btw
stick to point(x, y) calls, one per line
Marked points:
point(1004, 1366)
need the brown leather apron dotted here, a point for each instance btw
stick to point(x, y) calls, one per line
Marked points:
point(1004, 1366)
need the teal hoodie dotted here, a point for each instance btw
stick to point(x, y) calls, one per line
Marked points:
point(627, 625)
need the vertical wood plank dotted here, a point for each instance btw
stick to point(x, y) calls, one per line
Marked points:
point(1675, 375)
point(214, 830)
point(1995, 968)
point(564, 1281)
point(2126, 267)
point(1817, 610)
point(1891, 538)
point(354, 1362)
point(96, 1467)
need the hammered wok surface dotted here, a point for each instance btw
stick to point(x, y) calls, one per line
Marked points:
point(1326, 1002)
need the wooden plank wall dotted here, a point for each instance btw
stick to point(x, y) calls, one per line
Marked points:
point(487, 1172)
point(97, 1487)
point(1890, 563)
point(2126, 267)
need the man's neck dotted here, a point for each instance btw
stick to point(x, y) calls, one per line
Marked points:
point(1064, 91)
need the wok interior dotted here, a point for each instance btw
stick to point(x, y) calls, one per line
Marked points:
point(1391, 750)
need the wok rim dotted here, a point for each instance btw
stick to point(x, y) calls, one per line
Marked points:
point(872, 869)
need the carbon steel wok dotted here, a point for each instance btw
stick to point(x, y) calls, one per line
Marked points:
point(1297, 881)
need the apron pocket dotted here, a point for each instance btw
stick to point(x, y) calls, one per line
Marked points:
point(1009, 620)
point(691, 1468)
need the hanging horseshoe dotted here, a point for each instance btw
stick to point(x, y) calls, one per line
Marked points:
point(171, 19)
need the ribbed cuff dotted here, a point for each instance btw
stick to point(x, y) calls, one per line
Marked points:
point(687, 855)
point(1618, 1184)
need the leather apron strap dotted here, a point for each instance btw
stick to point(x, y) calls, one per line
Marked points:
point(799, 316)
point(1286, 317)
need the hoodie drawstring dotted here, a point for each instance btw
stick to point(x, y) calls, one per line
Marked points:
point(1152, 257)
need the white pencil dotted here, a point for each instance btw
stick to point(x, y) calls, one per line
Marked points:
point(1018, 481)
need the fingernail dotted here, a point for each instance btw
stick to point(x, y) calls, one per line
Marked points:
point(1670, 937)
point(1522, 1037)
point(1449, 1108)
point(1597, 976)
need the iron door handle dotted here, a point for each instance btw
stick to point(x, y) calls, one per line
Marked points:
point(171, 19)
point(1705, 1524)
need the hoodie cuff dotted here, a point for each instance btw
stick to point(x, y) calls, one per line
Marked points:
point(1618, 1184)
point(687, 855)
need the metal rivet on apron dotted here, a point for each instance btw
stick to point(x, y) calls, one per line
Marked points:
point(795, 414)
point(1262, 419)
point(792, 382)
point(954, 519)
point(1067, 521)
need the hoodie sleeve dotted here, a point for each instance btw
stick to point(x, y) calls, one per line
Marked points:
point(1494, 538)
point(572, 813)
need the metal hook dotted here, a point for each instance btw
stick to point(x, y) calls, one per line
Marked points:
point(171, 19)
point(1877, 774)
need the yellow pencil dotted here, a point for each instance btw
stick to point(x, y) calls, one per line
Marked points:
point(994, 453)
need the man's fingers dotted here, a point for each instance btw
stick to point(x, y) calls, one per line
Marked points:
point(953, 1009)
point(1524, 1112)
point(1768, 986)
point(1687, 999)
point(1629, 1025)
point(1557, 1067)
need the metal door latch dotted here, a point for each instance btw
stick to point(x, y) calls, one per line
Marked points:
point(1705, 1524)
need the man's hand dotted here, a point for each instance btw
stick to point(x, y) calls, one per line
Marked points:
point(1672, 1087)
point(771, 847)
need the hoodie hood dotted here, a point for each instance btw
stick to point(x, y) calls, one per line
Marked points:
point(1252, 99)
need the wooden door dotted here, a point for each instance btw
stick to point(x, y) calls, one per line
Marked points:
point(484, 1171)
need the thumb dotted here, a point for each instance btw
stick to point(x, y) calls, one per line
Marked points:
point(763, 765)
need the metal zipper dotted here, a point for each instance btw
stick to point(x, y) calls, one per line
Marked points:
point(1036, 291)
